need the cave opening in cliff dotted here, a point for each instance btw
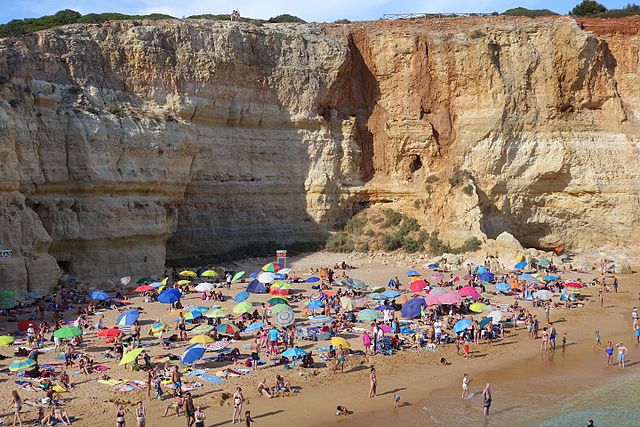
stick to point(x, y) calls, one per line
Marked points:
point(415, 163)
point(65, 266)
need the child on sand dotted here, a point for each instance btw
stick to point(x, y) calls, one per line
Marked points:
point(341, 410)
point(396, 401)
point(465, 386)
point(597, 344)
point(247, 419)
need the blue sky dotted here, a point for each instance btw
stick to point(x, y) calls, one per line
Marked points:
point(318, 10)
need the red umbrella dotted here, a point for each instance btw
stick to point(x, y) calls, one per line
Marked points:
point(111, 332)
point(23, 325)
point(575, 285)
point(144, 288)
point(418, 285)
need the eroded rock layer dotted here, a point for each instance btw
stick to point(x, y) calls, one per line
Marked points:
point(122, 145)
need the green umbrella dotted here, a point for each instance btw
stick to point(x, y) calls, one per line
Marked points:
point(130, 356)
point(243, 307)
point(278, 308)
point(237, 276)
point(141, 281)
point(367, 315)
point(67, 332)
point(202, 329)
point(8, 294)
point(277, 300)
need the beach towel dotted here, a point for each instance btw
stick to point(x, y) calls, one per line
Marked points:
point(196, 373)
point(110, 382)
point(212, 379)
point(101, 368)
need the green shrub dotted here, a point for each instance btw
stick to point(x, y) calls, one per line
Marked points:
point(339, 242)
point(588, 8)
point(412, 245)
point(393, 218)
point(391, 242)
point(459, 177)
point(286, 18)
point(468, 190)
point(470, 245)
point(628, 10)
point(408, 225)
point(432, 179)
point(342, 21)
point(476, 34)
point(356, 224)
point(531, 13)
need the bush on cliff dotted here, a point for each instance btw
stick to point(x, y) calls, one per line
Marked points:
point(531, 13)
point(286, 18)
point(588, 8)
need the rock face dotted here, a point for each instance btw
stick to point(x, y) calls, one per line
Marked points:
point(123, 145)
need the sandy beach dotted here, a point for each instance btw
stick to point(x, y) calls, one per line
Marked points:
point(428, 391)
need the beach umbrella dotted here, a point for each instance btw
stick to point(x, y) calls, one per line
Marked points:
point(413, 308)
point(209, 273)
point(215, 313)
point(8, 303)
point(157, 327)
point(467, 291)
point(192, 354)
point(484, 322)
point(237, 276)
point(339, 341)
point(438, 290)
point(219, 345)
point(205, 287)
point(477, 307)
point(412, 273)
point(544, 263)
point(316, 296)
point(376, 296)
point(266, 278)
point(192, 314)
point(127, 318)
point(482, 269)
point(272, 267)
point(143, 280)
point(520, 265)
point(67, 332)
point(183, 282)
point(156, 285)
point(242, 307)
point(432, 266)
point(368, 315)
point(503, 287)
point(23, 325)
point(347, 303)
point(280, 288)
point(385, 328)
point(110, 332)
point(432, 299)
point(201, 339)
point(356, 284)
point(315, 304)
point(436, 277)
point(6, 340)
point(390, 294)
point(418, 285)
point(312, 279)
point(278, 308)
point(543, 294)
point(242, 296)
point(202, 329)
point(495, 313)
point(293, 353)
point(254, 327)
point(130, 356)
point(277, 300)
point(255, 287)
point(169, 296)
point(319, 320)
point(227, 329)
point(188, 273)
point(21, 364)
point(487, 277)
point(574, 285)
point(450, 298)
point(143, 288)
point(99, 296)
point(550, 278)
point(284, 317)
point(461, 325)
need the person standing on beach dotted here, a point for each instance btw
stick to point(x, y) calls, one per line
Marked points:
point(487, 398)
point(373, 382)
point(190, 410)
point(176, 379)
point(601, 298)
point(552, 336)
point(465, 386)
point(597, 344)
point(238, 401)
point(609, 352)
point(17, 407)
point(636, 330)
point(622, 352)
point(200, 417)
point(140, 415)
point(615, 284)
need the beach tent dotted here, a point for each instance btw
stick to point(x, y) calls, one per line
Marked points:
point(412, 273)
point(242, 296)
point(255, 287)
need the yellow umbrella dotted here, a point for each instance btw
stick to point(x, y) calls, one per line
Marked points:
point(337, 341)
point(214, 313)
point(201, 339)
point(6, 340)
point(164, 281)
point(477, 307)
point(243, 307)
point(188, 273)
point(209, 273)
point(347, 304)
point(184, 282)
point(130, 356)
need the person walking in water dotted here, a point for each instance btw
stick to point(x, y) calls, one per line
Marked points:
point(486, 397)
point(373, 382)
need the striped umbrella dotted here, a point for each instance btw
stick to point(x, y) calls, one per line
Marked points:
point(219, 345)
point(202, 329)
point(215, 313)
point(278, 308)
point(157, 327)
point(368, 315)
point(284, 317)
point(21, 364)
point(272, 267)
point(227, 329)
point(316, 296)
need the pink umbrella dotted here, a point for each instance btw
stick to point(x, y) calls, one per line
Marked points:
point(433, 299)
point(436, 277)
point(467, 291)
point(418, 285)
point(385, 328)
point(450, 298)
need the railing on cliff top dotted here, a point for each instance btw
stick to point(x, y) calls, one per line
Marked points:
point(392, 16)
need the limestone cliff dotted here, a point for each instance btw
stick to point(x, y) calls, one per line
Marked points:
point(125, 144)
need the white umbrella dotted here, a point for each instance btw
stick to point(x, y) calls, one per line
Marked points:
point(285, 271)
point(496, 316)
point(543, 294)
point(205, 287)
point(266, 277)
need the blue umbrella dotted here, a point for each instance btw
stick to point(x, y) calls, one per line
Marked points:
point(254, 275)
point(484, 322)
point(503, 287)
point(293, 352)
point(432, 266)
point(526, 276)
point(487, 277)
point(312, 279)
point(280, 276)
point(192, 354)
point(313, 304)
point(391, 294)
point(411, 273)
point(550, 277)
point(413, 308)
point(520, 265)
point(128, 317)
point(99, 296)
point(482, 269)
point(169, 296)
point(242, 296)
point(254, 327)
point(461, 325)
point(377, 296)
point(156, 285)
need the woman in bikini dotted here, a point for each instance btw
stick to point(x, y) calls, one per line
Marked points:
point(140, 413)
point(120, 412)
point(238, 400)
point(200, 417)
point(17, 406)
